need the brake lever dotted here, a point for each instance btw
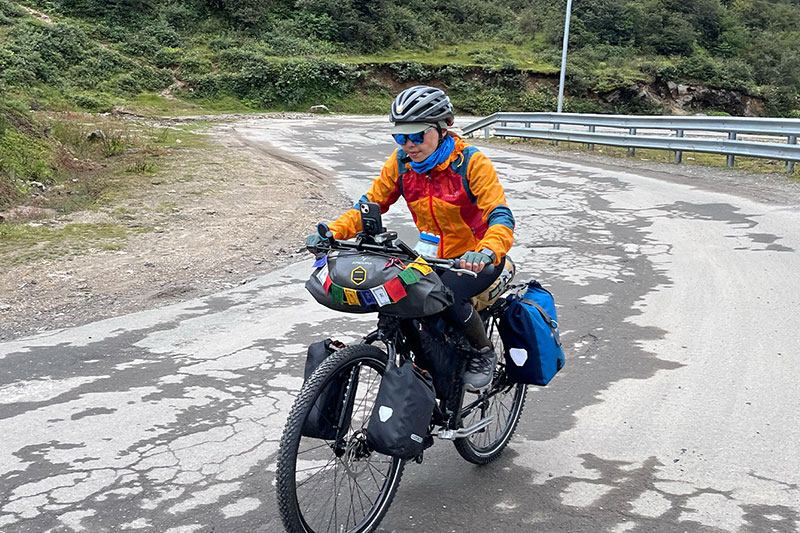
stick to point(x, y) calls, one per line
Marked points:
point(464, 271)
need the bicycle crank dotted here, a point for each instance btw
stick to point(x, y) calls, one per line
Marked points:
point(453, 434)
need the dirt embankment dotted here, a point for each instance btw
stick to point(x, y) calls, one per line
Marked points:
point(209, 219)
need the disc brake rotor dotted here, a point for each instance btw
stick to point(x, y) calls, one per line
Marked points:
point(356, 455)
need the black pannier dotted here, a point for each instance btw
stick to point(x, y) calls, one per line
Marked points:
point(402, 411)
point(360, 282)
point(322, 421)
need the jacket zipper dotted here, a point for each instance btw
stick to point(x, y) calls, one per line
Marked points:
point(440, 251)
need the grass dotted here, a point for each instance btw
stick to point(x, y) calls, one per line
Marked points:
point(371, 103)
point(749, 164)
point(152, 104)
point(23, 243)
point(468, 54)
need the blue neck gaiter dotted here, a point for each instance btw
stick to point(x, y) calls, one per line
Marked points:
point(436, 158)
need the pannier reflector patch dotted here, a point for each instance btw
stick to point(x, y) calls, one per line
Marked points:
point(415, 437)
point(385, 413)
point(518, 355)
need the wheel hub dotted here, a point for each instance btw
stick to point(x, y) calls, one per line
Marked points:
point(354, 454)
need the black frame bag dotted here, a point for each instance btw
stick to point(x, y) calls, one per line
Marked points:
point(402, 411)
point(323, 419)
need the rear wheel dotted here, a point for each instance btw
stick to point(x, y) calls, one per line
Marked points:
point(337, 485)
point(503, 401)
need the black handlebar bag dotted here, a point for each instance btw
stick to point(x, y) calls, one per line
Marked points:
point(402, 411)
point(363, 282)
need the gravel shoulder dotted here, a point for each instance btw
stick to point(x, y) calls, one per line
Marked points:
point(209, 219)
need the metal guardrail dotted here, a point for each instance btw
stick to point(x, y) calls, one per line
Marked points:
point(780, 142)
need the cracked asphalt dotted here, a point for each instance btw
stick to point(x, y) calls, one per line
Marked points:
point(677, 410)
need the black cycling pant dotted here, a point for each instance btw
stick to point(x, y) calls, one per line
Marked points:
point(465, 287)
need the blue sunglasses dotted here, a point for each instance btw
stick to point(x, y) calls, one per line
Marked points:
point(416, 138)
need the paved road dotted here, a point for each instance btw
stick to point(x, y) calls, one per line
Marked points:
point(677, 411)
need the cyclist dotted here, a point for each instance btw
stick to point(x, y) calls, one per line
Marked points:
point(452, 191)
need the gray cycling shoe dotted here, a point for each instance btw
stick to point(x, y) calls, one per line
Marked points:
point(480, 369)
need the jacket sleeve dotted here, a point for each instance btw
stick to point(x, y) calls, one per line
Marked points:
point(491, 200)
point(385, 191)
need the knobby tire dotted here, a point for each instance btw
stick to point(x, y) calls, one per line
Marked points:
point(297, 516)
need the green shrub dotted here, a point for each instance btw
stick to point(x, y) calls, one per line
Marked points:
point(582, 105)
point(91, 102)
point(194, 64)
point(24, 159)
point(204, 86)
point(541, 99)
point(405, 71)
point(485, 103)
point(9, 12)
point(484, 57)
point(167, 57)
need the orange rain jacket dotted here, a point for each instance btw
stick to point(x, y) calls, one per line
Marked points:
point(461, 200)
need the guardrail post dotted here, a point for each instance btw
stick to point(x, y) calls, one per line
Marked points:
point(590, 146)
point(729, 160)
point(556, 127)
point(503, 124)
point(632, 151)
point(790, 164)
point(678, 153)
point(486, 132)
point(527, 124)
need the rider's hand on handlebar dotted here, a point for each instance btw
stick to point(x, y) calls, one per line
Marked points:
point(313, 242)
point(474, 261)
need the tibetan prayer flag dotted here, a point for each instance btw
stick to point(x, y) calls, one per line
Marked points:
point(421, 265)
point(381, 296)
point(321, 261)
point(395, 289)
point(322, 275)
point(367, 298)
point(351, 295)
point(337, 293)
point(327, 284)
point(409, 276)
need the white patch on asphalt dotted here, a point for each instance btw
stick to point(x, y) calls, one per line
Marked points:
point(651, 504)
point(204, 497)
point(42, 390)
point(583, 494)
point(241, 507)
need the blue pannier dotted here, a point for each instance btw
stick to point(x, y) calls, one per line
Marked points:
point(532, 344)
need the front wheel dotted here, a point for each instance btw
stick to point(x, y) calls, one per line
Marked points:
point(337, 485)
point(503, 401)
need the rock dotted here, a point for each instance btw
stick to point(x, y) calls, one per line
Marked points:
point(96, 135)
point(4, 307)
point(319, 109)
point(673, 88)
point(612, 97)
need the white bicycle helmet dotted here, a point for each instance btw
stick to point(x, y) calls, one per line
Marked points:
point(422, 103)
